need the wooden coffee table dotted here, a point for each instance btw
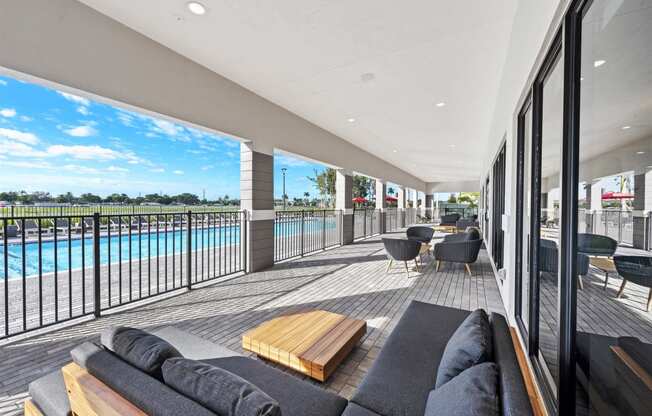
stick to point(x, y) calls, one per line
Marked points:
point(445, 228)
point(312, 342)
point(605, 265)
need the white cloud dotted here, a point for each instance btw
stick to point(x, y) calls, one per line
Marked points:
point(29, 164)
point(207, 167)
point(3, 82)
point(125, 118)
point(19, 150)
point(281, 159)
point(81, 131)
point(166, 127)
point(19, 136)
point(75, 98)
point(157, 170)
point(178, 172)
point(25, 118)
point(83, 110)
point(117, 169)
point(84, 170)
point(8, 112)
point(84, 152)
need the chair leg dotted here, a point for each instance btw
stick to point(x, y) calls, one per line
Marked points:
point(389, 265)
point(438, 264)
point(468, 268)
point(416, 263)
point(606, 280)
point(649, 300)
point(622, 289)
point(580, 284)
point(407, 269)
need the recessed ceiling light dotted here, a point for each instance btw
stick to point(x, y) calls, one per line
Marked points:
point(598, 63)
point(394, 150)
point(452, 146)
point(351, 120)
point(626, 127)
point(196, 8)
point(366, 77)
point(581, 78)
point(640, 152)
point(440, 104)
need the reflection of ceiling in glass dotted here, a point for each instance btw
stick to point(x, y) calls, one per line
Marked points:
point(617, 75)
point(553, 100)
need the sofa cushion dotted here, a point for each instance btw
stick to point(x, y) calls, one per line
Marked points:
point(50, 395)
point(514, 400)
point(473, 392)
point(353, 409)
point(471, 344)
point(296, 397)
point(142, 390)
point(405, 370)
point(191, 346)
point(218, 389)
point(139, 348)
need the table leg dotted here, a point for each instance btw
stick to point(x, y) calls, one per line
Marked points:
point(649, 300)
point(622, 289)
point(606, 280)
point(389, 265)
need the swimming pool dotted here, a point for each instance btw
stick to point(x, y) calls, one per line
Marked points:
point(146, 245)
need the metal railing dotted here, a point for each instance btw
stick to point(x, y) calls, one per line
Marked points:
point(410, 216)
point(616, 224)
point(366, 222)
point(297, 233)
point(63, 267)
point(392, 219)
point(103, 209)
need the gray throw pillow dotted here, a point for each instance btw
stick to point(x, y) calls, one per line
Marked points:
point(143, 350)
point(473, 392)
point(471, 344)
point(217, 389)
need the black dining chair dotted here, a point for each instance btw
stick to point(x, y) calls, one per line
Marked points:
point(420, 233)
point(596, 245)
point(635, 269)
point(402, 250)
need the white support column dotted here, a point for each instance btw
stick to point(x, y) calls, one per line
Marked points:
point(400, 205)
point(429, 207)
point(381, 203)
point(257, 200)
point(596, 196)
point(344, 203)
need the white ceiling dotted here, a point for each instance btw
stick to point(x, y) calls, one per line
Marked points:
point(309, 56)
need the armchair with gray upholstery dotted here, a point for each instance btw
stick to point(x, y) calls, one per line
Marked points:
point(635, 269)
point(420, 233)
point(450, 219)
point(402, 250)
point(463, 223)
point(596, 245)
point(459, 248)
point(549, 260)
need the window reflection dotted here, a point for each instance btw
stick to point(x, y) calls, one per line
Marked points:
point(614, 322)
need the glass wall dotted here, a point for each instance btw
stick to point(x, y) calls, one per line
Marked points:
point(526, 217)
point(614, 322)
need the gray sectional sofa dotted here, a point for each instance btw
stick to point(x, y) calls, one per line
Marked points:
point(398, 383)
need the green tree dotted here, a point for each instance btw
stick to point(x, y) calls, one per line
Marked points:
point(470, 198)
point(452, 199)
point(324, 183)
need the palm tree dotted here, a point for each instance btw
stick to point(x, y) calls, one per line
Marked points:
point(306, 195)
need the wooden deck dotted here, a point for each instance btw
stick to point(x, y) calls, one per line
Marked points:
point(349, 280)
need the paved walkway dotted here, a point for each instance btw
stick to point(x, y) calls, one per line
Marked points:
point(350, 280)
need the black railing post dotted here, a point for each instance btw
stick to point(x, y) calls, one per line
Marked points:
point(303, 220)
point(189, 250)
point(323, 231)
point(96, 263)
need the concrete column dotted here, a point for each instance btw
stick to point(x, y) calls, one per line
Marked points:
point(257, 199)
point(414, 197)
point(642, 206)
point(596, 196)
point(381, 204)
point(429, 207)
point(400, 206)
point(588, 215)
point(344, 203)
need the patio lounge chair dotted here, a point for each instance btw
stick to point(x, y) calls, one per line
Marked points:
point(61, 225)
point(420, 233)
point(635, 269)
point(30, 227)
point(549, 261)
point(402, 250)
point(450, 219)
point(596, 245)
point(463, 223)
point(459, 248)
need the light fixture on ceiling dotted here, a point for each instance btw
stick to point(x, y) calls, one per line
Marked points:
point(640, 152)
point(367, 76)
point(599, 63)
point(581, 78)
point(440, 104)
point(452, 146)
point(196, 8)
point(626, 127)
point(351, 120)
point(394, 151)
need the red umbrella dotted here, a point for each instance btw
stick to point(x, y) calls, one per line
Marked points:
point(390, 198)
point(359, 200)
point(617, 195)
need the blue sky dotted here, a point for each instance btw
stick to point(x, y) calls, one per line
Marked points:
point(58, 142)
